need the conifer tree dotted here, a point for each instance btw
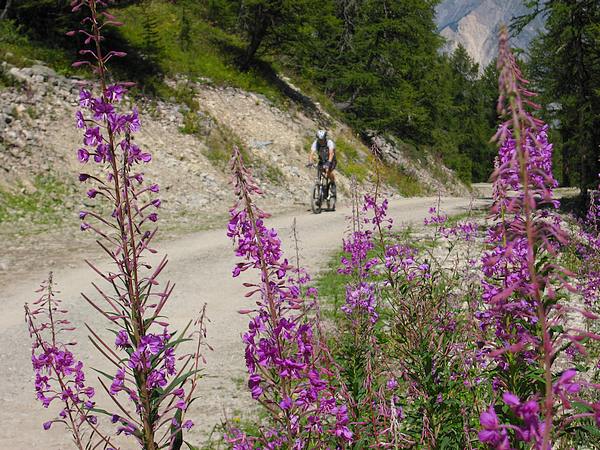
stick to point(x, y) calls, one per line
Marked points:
point(566, 68)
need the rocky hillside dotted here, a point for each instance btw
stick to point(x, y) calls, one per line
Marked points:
point(190, 140)
point(475, 24)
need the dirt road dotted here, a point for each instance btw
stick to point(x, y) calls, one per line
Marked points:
point(200, 265)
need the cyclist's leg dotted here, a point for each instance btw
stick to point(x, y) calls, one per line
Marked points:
point(331, 177)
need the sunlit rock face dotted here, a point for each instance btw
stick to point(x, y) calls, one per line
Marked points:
point(475, 24)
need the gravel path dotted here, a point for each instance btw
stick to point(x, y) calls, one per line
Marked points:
point(200, 265)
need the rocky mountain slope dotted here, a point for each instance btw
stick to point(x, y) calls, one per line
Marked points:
point(190, 147)
point(475, 24)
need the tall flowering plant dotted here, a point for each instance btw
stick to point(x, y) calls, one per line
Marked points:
point(287, 370)
point(59, 375)
point(588, 243)
point(426, 385)
point(151, 391)
point(529, 308)
point(358, 350)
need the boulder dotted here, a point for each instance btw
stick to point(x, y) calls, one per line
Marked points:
point(43, 71)
point(18, 75)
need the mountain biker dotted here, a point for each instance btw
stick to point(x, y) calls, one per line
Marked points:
point(325, 150)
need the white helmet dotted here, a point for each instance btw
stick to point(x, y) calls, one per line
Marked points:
point(321, 135)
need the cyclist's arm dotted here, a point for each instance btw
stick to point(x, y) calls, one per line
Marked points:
point(312, 153)
point(331, 147)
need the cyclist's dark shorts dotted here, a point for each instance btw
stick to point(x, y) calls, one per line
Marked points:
point(333, 163)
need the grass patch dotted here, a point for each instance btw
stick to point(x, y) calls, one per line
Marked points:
point(43, 205)
point(273, 173)
point(310, 90)
point(185, 95)
point(6, 80)
point(332, 288)
point(405, 183)
point(17, 49)
point(196, 49)
point(220, 139)
point(192, 124)
point(351, 162)
point(219, 142)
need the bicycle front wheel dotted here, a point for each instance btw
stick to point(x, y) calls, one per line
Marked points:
point(316, 200)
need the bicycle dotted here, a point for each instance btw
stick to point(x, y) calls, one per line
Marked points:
point(321, 191)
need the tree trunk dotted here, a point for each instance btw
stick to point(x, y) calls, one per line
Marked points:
point(255, 41)
point(5, 10)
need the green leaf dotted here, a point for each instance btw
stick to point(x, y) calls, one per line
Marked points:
point(177, 431)
point(110, 377)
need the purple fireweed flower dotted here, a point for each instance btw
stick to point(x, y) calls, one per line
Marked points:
point(491, 433)
point(80, 119)
point(122, 339)
point(139, 177)
point(146, 356)
point(101, 109)
point(508, 285)
point(379, 220)
point(59, 376)
point(373, 262)
point(363, 298)
point(281, 347)
point(392, 384)
point(133, 121)
point(435, 217)
point(114, 93)
point(83, 155)
point(118, 381)
point(85, 98)
point(524, 287)
point(588, 247)
point(92, 136)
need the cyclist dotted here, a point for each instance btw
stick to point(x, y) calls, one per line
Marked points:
point(325, 150)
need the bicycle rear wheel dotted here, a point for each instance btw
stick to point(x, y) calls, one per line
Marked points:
point(331, 198)
point(331, 203)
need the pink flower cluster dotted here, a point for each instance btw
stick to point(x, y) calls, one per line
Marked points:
point(145, 358)
point(287, 370)
point(59, 376)
point(523, 286)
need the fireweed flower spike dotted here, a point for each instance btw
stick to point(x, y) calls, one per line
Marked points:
point(150, 384)
point(283, 356)
point(373, 400)
point(524, 289)
point(423, 327)
point(587, 245)
point(59, 376)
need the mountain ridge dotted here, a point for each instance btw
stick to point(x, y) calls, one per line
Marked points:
point(475, 23)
